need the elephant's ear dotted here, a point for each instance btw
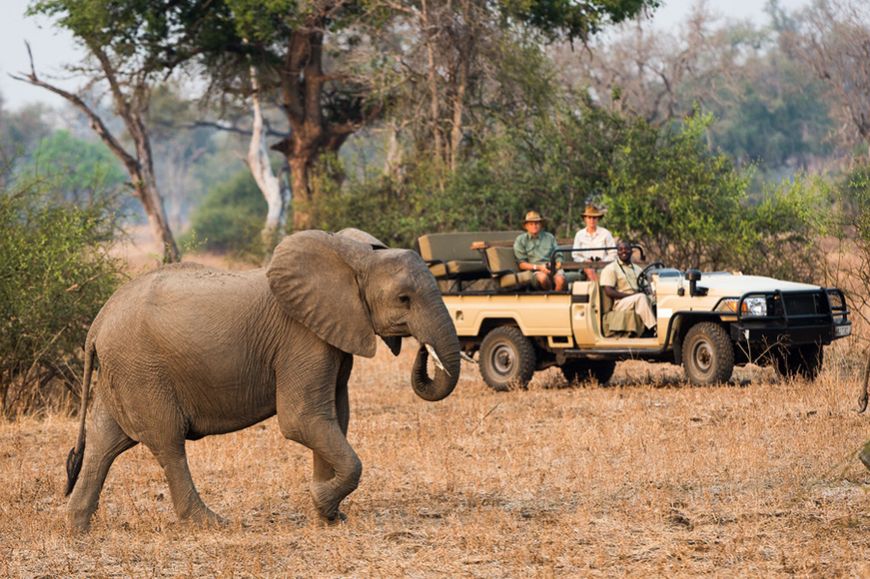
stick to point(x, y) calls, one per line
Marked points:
point(363, 237)
point(313, 275)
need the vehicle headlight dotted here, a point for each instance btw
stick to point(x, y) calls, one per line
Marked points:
point(753, 306)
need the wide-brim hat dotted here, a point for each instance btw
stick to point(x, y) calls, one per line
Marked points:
point(593, 211)
point(532, 216)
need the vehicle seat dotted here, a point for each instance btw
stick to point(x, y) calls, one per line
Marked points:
point(450, 256)
point(614, 324)
point(502, 265)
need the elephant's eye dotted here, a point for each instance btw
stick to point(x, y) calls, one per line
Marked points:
point(405, 300)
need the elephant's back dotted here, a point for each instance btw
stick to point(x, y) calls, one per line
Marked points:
point(177, 300)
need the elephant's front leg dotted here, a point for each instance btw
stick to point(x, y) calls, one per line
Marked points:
point(320, 423)
point(324, 473)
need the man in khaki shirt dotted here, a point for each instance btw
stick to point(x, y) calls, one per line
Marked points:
point(619, 281)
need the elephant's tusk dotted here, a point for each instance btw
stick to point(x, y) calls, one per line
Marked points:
point(436, 359)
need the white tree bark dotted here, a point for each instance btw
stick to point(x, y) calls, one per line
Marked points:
point(275, 191)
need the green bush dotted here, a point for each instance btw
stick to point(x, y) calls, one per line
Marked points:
point(55, 274)
point(230, 217)
point(687, 205)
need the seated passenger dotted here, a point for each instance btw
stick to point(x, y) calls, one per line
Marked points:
point(619, 282)
point(533, 250)
point(593, 236)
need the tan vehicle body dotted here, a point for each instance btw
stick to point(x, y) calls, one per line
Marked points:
point(707, 322)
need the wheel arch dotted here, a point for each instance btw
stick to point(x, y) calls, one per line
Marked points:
point(682, 322)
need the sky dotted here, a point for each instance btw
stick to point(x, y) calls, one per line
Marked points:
point(52, 48)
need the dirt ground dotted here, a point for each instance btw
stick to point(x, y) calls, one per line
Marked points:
point(650, 476)
point(647, 477)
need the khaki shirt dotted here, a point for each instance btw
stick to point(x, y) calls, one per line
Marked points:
point(601, 238)
point(621, 276)
point(534, 250)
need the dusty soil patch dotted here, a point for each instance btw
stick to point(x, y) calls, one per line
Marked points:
point(647, 477)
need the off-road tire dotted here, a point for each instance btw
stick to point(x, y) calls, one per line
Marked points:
point(708, 354)
point(585, 370)
point(507, 359)
point(804, 361)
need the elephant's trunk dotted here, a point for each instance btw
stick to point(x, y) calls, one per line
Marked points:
point(444, 346)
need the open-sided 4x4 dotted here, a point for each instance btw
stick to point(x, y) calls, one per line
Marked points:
point(707, 322)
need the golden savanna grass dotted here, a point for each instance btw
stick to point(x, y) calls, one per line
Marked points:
point(648, 477)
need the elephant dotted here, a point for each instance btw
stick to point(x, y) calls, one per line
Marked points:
point(188, 351)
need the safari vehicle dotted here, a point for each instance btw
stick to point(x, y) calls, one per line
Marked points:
point(706, 322)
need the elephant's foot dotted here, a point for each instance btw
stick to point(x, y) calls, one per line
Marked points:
point(78, 523)
point(327, 506)
point(865, 455)
point(206, 518)
point(336, 519)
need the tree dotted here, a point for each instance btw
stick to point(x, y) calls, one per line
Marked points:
point(80, 170)
point(129, 45)
point(833, 38)
point(450, 73)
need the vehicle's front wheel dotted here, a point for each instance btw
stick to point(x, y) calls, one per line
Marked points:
point(583, 370)
point(507, 358)
point(803, 361)
point(708, 354)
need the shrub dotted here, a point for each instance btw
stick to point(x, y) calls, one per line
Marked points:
point(55, 274)
point(230, 217)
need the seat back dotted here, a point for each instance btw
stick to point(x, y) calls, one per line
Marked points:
point(500, 259)
point(450, 255)
point(457, 245)
point(502, 265)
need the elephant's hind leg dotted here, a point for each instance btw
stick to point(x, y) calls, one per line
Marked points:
point(186, 500)
point(105, 442)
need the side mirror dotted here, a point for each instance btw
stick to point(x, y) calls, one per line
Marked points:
point(693, 276)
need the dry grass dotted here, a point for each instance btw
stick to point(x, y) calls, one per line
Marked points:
point(650, 476)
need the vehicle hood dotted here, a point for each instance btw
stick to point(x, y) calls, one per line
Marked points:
point(737, 285)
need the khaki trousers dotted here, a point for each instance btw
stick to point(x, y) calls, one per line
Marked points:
point(640, 303)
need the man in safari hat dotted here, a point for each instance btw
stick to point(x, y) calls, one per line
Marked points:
point(533, 250)
point(593, 236)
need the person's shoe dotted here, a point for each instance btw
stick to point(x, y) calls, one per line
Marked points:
point(649, 333)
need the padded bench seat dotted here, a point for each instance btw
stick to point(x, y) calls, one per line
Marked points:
point(450, 255)
point(502, 265)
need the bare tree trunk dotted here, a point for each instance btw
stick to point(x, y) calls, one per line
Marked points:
point(141, 167)
point(465, 50)
point(302, 215)
point(434, 107)
point(274, 191)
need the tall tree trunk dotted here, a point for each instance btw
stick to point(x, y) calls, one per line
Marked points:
point(274, 190)
point(434, 106)
point(129, 106)
point(302, 214)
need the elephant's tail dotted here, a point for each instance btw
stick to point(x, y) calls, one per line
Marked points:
point(74, 460)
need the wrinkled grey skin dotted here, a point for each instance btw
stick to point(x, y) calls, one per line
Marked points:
point(187, 351)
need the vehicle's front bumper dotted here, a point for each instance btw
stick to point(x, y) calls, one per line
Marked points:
point(795, 318)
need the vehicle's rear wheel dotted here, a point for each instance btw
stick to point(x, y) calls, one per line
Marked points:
point(803, 361)
point(708, 354)
point(507, 359)
point(584, 370)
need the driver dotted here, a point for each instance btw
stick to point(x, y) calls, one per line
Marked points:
point(619, 281)
point(533, 250)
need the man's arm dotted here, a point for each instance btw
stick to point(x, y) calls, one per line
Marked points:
point(608, 283)
point(522, 256)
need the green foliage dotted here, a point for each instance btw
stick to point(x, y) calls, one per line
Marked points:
point(572, 20)
point(55, 274)
point(687, 205)
point(78, 170)
point(230, 217)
